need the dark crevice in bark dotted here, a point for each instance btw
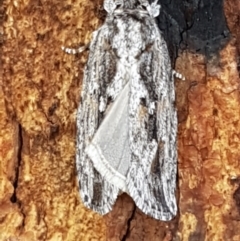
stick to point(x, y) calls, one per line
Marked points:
point(18, 164)
point(125, 236)
point(236, 194)
point(54, 127)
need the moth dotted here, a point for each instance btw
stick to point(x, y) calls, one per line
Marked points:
point(126, 119)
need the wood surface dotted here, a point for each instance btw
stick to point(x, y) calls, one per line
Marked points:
point(39, 93)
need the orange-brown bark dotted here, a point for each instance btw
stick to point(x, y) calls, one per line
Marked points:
point(40, 89)
point(39, 94)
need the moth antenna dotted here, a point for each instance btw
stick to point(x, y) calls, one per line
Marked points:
point(178, 75)
point(75, 50)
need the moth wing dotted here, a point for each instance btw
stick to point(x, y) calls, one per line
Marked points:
point(95, 191)
point(152, 176)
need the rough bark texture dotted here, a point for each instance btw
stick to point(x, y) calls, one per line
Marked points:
point(39, 93)
point(40, 88)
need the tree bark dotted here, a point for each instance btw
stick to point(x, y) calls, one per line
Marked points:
point(39, 93)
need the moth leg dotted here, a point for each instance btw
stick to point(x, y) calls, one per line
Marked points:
point(75, 50)
point(178, 75)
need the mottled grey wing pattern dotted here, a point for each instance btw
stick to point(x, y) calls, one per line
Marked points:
point(153, 127)
point(126, 120)
point(95, 191)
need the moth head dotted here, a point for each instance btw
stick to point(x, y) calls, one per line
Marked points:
point(111, 5)
point(153, 8)
point(131, 4)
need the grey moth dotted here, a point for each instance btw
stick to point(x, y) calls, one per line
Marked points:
point(126, 120)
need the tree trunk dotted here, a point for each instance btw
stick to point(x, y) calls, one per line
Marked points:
point(40, 91)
